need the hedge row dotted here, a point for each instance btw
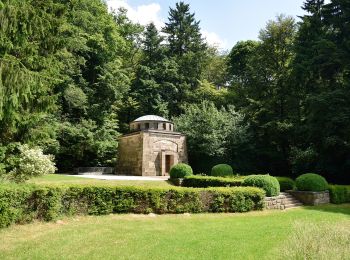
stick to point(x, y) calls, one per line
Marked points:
point(286, 183)
point(209, 181)
point(22, 204)
point(339, 193)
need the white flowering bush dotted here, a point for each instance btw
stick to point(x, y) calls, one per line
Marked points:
point(31, 163)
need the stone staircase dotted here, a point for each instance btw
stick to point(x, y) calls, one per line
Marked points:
point(283, 201)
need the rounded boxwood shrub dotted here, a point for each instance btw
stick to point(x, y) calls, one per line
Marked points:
point(180, 170)
point(266, 182)
point(286, 183)
point(311, 182)
point(222, 170)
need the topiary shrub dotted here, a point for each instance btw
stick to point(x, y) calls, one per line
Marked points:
point(286, 183)
point(180, 170)
point(222, 170)
point(268, 183)
point(311, 182)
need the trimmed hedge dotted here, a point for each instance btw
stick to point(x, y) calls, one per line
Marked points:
point(339, 194)
point(180, 170)
point(311, 182)
point(24, 203)
point(222, 170)
point(286, 183)
point(209, 181)
point(268, 183)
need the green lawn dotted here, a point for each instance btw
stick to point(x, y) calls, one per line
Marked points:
point(321, 232)
point(63, 179)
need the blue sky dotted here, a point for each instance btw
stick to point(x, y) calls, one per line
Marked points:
point(223, 22)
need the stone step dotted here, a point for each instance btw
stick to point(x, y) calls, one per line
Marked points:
point(291, 200)
point(293, 205)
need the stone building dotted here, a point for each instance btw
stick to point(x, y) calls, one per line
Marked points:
point(151, 147)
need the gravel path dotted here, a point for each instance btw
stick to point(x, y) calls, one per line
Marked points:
point(124, 178)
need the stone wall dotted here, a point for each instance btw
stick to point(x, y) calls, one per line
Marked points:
point(311, 197)
point(143, 153)
point(94, 170)
point(130, 155)
point(156, 144)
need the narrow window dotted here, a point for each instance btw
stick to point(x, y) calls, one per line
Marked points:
point(146, 125)
point(138, 127)
point(164, 126)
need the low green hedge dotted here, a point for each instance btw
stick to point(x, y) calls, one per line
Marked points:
point(311, 182)
point(24, 203)
point(266, 182)
point(222, 170)
point(286, 183)
point(209, 181)
point(339, 193)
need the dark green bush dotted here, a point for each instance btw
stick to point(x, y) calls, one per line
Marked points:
point(339, 194)
point(24, 203)
point(209, 181)
point(222, 170)
point(180, 170)
point(268, 183)
point(311, 182)
point(286, 183)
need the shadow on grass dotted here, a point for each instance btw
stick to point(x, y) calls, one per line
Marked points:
point(333, 208)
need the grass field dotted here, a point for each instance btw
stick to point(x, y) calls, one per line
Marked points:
point(306, 233)
point(63, 179)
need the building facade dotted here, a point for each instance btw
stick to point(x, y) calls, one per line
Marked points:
point(151, 148)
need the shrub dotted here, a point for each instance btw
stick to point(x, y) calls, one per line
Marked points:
point(222, 170)
point(286, 183)
point(180, 170)
point(268, 183)
point(339, 193)
point(26, 163)
point(209, 181)
point(311, 182)
point(24, 203)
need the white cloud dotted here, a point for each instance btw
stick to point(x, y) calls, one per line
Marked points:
point(213, 39)
point(143, 14)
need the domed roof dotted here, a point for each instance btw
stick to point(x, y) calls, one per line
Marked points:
point(151, 118)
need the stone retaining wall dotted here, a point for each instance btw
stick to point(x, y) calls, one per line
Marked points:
point(311, 197)
point(94, 170)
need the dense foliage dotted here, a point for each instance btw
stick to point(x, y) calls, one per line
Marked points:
point(73, 75)
point(180, 170)
point(222, 170)
point(24, 203)
point(268, 183)
point(311, 182)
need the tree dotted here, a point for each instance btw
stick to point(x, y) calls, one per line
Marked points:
point(261, 73)
point(147, 87)
point(29, 42)
point(321, 70)
point(211, 134)
point(187, 49)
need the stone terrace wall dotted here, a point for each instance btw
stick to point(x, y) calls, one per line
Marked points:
point(311, 197)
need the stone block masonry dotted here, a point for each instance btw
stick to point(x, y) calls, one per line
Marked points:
point(311, 197)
